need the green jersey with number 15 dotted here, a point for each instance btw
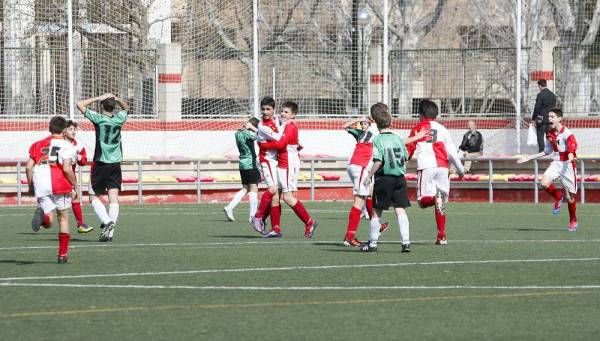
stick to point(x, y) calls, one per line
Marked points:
point(390, 150)
point(108, 135)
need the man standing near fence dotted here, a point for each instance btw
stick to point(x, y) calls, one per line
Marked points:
point(108, 154)
point(544, 101)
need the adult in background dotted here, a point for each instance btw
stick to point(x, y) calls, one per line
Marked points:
point(544, 101)
point(471, 145)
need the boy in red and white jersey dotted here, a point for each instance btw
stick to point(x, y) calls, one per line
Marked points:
point(562, 146)
point(288, 169)
point(268, 130)
point(80, 160)
point(50, 177)
point(434, 153)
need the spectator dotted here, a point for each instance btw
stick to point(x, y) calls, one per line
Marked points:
point(471, 145)
point(544, 101)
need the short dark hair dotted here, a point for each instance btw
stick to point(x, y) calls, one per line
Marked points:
point(428, 108)
point(542, 83)
point(557, 111)
point(57, 125)
point(267, 101)
point(71, 123)
point(253, 121)
point(378, 108)
point(383, 119)
point(109, 104)
point(291, 105)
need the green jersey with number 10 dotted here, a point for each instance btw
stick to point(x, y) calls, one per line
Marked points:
point(108, 135)
point(390, 150)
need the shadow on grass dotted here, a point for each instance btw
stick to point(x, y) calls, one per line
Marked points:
point(76, 240)
point(23, 262)
point(239, 236)
point(524, 229)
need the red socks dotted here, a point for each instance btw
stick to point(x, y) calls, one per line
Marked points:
point(369, 205)
point(440, 220)
point(553, 192)
point(276, 218)
point(265, 202)
point(353, 222)
point(572, 211)
point(46, 221)
point(427, 201)
point(63, 244)
point(77, 212)
point(301, 212)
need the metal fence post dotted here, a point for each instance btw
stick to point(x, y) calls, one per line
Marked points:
point(139, 165)
point(19, 183)
point(198, 190)
point(582, 182)
point(312, 180)
point(535, 182)
point(491, 181)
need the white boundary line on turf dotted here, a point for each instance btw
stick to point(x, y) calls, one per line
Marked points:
point(293, 288)
point(294, 268)
point(277, 243)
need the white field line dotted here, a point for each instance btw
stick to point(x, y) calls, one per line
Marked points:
point(283, 243)
point(307, 288)
point(296, 268)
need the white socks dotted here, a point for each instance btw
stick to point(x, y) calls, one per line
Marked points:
point(374, 232)
point(253, 198)
point(237, 198)
point(100, 211)
point(113, 212)
point(404, 228)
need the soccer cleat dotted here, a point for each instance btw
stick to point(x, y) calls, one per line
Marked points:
point(38, 219)
point(368, 247)
point(406, 247)
point(442, 241)
point(272, 234)
point(352, 243)
point(557, 205)
point(384, 227)
point(258, 225)
point(84, 228)
point(107, 232)
point(228, 213)
point(63, 259)
point(572, 226)
point(309, 230)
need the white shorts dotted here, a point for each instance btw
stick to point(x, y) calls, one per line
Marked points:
point(53, 202)
point(357, 176)
point(269, 172)
point(567, 173)
point(432, 180)
point(288, 178)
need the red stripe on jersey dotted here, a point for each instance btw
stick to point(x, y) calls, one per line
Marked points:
point(441, 155)
point(363, 152)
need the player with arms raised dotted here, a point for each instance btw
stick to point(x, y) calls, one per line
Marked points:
point(434, 154)
point(108, 154)
point(50, 177)
point(562, 146)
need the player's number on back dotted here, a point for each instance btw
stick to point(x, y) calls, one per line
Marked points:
point(112, 135)
point(395, 157)
point(432, 136)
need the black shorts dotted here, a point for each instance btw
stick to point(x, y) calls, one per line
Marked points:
point(250, 176)
point(390, 191)
point(105, 176)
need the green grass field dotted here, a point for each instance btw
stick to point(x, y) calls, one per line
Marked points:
point(510, 272)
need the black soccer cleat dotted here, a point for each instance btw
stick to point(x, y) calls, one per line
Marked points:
point(368, 247)
point(405, 247)
point(63, 259)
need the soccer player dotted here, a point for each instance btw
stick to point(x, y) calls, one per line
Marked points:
point(249, 174)
point(434, 154)
point(560, 143)
point(81, 160)
point(50, 177)
point(389, 158)
point(288, 169)
point(268, 130)
point(106, 169)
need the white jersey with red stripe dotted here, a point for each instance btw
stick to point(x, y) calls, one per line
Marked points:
point(49, 155)
point(286, 146)
point(268, 130)
point(560, 143)
point(435, 150)
point(80, 154)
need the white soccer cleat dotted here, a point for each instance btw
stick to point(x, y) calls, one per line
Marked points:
point(228, 213)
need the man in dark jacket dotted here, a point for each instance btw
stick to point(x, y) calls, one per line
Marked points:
point(544, 101)
point(471, 145)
